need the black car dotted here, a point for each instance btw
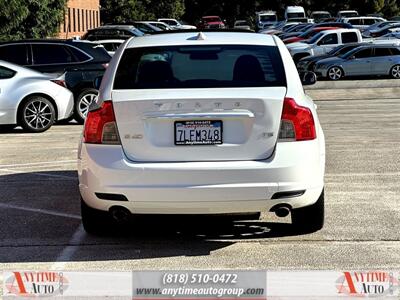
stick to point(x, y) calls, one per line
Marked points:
point(307, 63)
point(112, 32)
point(81, 62)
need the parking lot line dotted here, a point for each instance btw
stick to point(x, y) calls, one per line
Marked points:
point(40, 210)
point(38, 163)
point(65, 256)
point(39, 174)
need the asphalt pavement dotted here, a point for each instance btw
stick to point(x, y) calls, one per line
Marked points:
point(40, 217)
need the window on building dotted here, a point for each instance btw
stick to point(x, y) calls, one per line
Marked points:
point(74, 18)
point(69, 19)
point(79, 19)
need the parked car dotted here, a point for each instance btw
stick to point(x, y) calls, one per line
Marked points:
point(110, 45)
point(333, 24)
point(81, 61)
point(176, 24)
point(390, 36)
point(324, 42)
point(31, 99)
point(318, 16)
point(202, 123)
point(161, 25)
point(284, 27)
point(294, 12)
point(145, 27)
point(294, 30)
point(211, 22)
point(384, 30)
point(242, 24)
point(376, 26)
point(307, 64)
point(112, 32)
point(365, 60)
point(362, 23)
point(347, 14)
point(306, 35)
point(317, 25)
point(265, 19)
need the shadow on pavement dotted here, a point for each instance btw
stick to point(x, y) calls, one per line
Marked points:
point(40, 216)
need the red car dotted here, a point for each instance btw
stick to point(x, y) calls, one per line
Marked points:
point(210, 22)
point(306, 35)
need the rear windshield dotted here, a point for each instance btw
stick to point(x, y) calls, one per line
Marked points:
point(200, 67)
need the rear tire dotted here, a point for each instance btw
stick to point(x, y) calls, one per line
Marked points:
point(310, 218)
point(85, 98)
point(95, 221)
point(37, 114)
point(395, 72)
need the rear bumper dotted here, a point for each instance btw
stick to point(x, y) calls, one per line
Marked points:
point(201, 187)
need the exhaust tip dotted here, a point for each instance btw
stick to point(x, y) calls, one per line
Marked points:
point(120, 214)
point(281, 210)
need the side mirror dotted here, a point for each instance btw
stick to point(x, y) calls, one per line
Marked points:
point(308, 78)
point(97, 82)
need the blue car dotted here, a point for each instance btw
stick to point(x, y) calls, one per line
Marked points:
point(365, 60)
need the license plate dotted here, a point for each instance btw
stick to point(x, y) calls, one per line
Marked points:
point(202, 132)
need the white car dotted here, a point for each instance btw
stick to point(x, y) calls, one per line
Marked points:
point(202, 123)
point(31, 99)
point(242, 24)
point(323, 42)
point(175, 24)
point(363, 23)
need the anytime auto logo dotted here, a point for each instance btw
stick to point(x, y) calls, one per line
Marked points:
point(367, 284)
point(35, 284)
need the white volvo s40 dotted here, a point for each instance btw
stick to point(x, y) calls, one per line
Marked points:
point(202, 123)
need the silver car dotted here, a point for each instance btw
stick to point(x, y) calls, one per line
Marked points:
point(362, 61)
point(31, 99)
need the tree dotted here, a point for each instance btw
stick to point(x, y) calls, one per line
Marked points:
point(119, 11)
point(20, 19)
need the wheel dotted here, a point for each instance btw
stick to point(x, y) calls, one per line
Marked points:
point(310, 218)
point(95, 221)
point(335, 73)
point(395, 72)
point(37, 114)
point(85, 98)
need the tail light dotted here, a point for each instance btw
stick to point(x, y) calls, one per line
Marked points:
point(297, 122)
point(100, 126)
point(59, 82)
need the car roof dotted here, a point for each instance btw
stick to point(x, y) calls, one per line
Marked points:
point(55, 41)
point(362, 17)
point(109, 41)
point(112, 26)
point(341, 30)
point(202, 38)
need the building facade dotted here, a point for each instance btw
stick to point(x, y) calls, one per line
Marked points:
point(80, 16)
